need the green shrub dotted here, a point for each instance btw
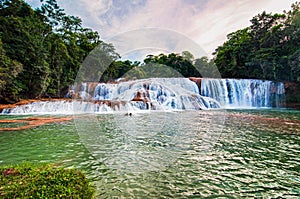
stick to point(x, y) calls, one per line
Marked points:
point(43, 181)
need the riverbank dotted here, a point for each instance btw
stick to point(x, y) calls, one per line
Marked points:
point(43, 181)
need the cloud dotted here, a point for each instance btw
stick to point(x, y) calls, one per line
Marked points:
point(207, 22)
point(154, 41)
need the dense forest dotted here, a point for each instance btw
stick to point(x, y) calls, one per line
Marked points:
point(268, 49)
point(41, 51)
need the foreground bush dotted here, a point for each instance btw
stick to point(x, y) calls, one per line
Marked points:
point(43, 181)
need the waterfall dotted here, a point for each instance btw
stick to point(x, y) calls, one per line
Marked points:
point(146, 94)
point(244, 93)
point(162, 94)
point(155, 94)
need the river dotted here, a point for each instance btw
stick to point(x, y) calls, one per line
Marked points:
point(173, 154)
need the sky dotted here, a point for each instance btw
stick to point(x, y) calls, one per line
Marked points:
point(202, 22)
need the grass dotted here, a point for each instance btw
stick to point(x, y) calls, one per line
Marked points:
point(43, 181)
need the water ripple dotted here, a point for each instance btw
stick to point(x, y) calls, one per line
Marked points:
point(255, 155)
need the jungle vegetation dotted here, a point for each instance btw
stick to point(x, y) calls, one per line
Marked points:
point(42, 49)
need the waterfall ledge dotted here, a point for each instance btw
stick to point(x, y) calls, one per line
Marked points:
point(162, 94)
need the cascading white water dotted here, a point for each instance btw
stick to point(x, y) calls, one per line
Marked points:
point(162, 94)
point(144, 94)
point(244, 93)
point(155, 94)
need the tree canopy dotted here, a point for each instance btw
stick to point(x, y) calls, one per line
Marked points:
point(267, 49)
point(41, 52)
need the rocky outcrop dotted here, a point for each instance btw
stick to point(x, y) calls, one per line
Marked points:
point(197, 80)
point(141, 97)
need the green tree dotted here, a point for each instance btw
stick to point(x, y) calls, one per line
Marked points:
point(50, 45)
point(183, 64)
point(9, 70)
point(207, 68)
point(292, 40)
point(117, 69)
point(267, 49)
point(231, 58)
point(23, 34)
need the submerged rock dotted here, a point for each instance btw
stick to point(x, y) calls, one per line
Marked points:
point(32, 122)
